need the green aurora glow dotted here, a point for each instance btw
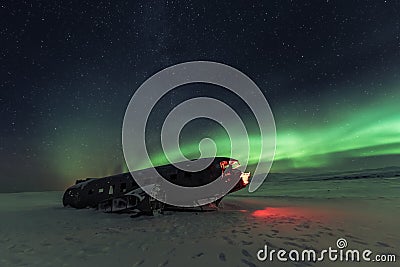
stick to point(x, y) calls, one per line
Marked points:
point(330, 72)
point(370, 131)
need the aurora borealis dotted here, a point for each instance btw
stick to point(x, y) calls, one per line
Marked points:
point(330, 72)
point(373, 131)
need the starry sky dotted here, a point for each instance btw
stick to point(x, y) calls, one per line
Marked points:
point(329, 69)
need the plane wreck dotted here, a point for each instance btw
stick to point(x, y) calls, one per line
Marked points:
point(121, 194)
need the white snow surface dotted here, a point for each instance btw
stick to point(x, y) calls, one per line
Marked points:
point(36, 230)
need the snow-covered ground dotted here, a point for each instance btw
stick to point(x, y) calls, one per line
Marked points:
point(35, 230)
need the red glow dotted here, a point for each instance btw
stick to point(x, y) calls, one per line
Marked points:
point(292, 212)
point(269, 211)
point(223, 165)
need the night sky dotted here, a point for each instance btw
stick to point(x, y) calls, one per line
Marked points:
point(329, 69)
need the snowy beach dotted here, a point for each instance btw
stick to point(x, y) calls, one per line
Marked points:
point(37, 231)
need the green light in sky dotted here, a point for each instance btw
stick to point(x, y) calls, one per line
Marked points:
point(373, 131)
